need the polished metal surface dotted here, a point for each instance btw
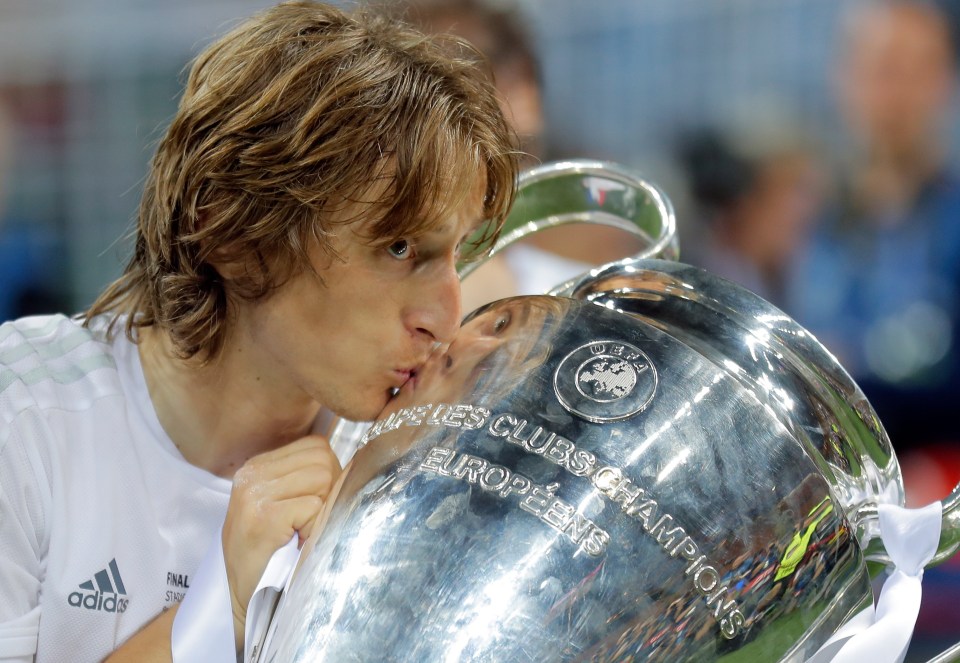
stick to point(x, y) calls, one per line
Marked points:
point(658, 466)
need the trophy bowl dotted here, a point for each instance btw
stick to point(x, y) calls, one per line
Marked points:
point(650, 464)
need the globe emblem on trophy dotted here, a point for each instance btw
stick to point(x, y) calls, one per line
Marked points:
point(605, 381)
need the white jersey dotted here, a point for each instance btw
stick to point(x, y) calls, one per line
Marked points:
point(102, 521)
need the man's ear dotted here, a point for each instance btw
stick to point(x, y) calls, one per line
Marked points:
point(247, 273)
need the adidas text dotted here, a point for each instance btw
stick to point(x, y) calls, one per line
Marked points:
point(98, 601)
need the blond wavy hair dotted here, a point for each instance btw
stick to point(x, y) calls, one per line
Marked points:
point(286, 122)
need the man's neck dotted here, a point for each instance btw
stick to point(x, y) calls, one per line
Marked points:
point(221, 413)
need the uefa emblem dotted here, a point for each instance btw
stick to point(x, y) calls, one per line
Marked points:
point(605, 381)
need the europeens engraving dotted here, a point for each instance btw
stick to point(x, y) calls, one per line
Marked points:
point(535, 499)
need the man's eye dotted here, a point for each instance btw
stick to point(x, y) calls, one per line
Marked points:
point(400, 249)
point(501, 323)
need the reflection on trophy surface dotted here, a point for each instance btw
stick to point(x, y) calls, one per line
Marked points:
point(657, 466)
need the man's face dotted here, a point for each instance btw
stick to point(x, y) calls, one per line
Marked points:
point(349, 340)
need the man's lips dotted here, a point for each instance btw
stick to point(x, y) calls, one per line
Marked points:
point(407, 376)
point(404, 376)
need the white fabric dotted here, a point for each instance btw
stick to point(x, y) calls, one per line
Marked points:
point(882, 635)
point(102, 521)
point(266, 595)
point(203, 626)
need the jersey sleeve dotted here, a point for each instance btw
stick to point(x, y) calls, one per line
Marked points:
point(24, 501)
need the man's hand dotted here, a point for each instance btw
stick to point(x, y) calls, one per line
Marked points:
point(274, 496)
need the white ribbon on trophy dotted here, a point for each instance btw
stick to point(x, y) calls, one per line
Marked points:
point(882, 633)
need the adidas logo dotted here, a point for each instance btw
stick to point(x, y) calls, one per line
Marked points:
point(105, 592)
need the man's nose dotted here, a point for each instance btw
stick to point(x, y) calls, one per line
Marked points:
point(436, 313)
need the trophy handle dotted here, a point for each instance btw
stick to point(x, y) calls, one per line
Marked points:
point(595, 192)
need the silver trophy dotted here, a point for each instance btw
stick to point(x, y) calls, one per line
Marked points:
point(651, 463)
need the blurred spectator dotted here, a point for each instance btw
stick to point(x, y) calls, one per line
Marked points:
point(754, 201)
point(29, 265)
point(543, 261)
point(880, 283)
point(500, 33)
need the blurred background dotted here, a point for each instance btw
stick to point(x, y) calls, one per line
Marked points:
point(809, 146)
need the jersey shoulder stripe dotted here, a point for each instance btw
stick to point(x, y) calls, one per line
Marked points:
point(54, 362)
